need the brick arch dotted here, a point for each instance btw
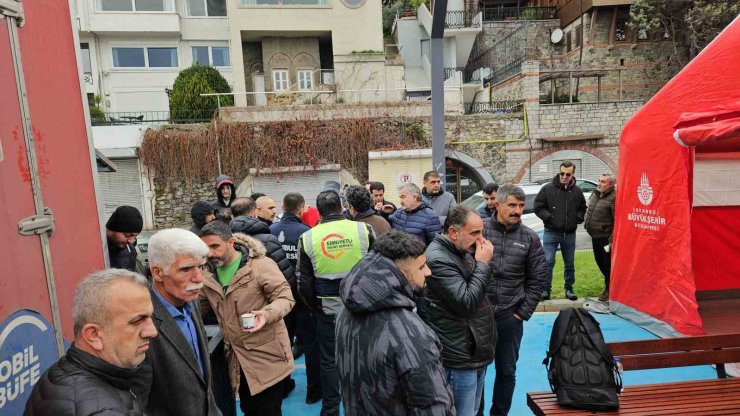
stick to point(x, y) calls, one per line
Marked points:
point(543, 154)
point(280, 60)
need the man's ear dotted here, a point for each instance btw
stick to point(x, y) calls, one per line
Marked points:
point(92, 335)
point(157, 273)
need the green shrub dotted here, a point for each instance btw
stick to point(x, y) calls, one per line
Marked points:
point(186, 102)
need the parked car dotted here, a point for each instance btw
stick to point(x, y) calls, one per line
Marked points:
point(529, 219)
point(586, 186)
point(142, 244)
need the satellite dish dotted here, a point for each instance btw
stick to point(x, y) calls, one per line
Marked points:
point(556, 36)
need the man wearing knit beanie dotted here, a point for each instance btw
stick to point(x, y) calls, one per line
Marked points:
point(121, 231)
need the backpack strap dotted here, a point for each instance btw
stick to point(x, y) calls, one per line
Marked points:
point(558, 334)
point(591, 330)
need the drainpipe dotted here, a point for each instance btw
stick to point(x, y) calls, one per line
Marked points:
point(438, 99)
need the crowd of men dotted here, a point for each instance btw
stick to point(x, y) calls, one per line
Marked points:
point(397, 310)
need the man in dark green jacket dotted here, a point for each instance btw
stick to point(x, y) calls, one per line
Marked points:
point(600, 225)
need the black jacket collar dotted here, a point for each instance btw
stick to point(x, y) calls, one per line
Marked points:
point(120, 378)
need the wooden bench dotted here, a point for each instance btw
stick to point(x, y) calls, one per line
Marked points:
point(719, 396)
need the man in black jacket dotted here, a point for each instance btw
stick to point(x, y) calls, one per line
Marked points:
point(561, 206)
point(388, 360)
point(112, 328)
point(456, 305)
point(600, 226)
point(121, 230)
point(518, 277)
point(380, 205)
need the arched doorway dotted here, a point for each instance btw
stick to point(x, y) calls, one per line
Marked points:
point(465, 175)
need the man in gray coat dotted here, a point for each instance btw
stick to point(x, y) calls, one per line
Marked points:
point(600, 226)
point(175, 378)
point(440, 201)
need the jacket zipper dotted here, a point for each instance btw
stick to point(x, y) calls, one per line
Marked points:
point(501, 266)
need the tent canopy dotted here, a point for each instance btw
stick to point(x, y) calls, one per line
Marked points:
point(665, 247)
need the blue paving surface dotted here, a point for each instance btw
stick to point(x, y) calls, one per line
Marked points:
point(531, 375)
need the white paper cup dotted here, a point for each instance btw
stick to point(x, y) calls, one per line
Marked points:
point(248, 320)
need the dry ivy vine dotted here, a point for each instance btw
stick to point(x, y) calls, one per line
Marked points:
point(189, 153)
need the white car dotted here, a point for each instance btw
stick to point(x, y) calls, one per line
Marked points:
point(529, 219)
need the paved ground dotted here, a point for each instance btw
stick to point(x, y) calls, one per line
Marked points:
point(531, 373)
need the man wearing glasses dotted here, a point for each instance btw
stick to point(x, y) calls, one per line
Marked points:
point(561, 206)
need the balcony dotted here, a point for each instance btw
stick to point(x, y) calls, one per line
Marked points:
point(153, 118)
point(518, 13)
point(135, 22)
point(461, 19)
point(495, 107)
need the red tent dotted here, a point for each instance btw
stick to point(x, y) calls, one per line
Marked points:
point(677, 228)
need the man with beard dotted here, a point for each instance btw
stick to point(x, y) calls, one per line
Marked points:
point(241, 280)
point(600, 225)
point(489, 197)
point(518, 277)
point(561, 206)
point(415, 216)
point(175, 378)
point(434, 196)
point(121, 231)
point(457, 308)
point(225, 191)
point(388, 360)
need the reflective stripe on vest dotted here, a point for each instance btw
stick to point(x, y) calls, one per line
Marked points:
point(335, 247)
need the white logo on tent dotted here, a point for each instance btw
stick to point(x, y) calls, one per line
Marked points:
point(645, 191)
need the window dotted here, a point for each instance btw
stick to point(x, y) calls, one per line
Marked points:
point(305, 79)
point(135, 5)
point(622, 32)
point(280, 80)
point(579, 33)
point(86, 63)
point(128, 58)
point(206, 8)
point(162, 57)
point(145, 57)
point(568, 41)
point(217, 56)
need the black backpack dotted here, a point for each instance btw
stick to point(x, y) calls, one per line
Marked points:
point(580, 367)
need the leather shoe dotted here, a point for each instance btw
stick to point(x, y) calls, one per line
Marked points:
point(604, 296)
point(330, 412)
point(570, 294)
point(545, 295)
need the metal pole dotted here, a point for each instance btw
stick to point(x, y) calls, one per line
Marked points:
point(218, 144)
point(438, 90)
point(15, 50)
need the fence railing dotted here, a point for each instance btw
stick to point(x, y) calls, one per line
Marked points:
point(278, 3)
point(153, 118)
point(450, 72)
point(495, 107)
point(462, 18)
point(494, 14)
point(500, 61)
point(504, 72)
point(88, 76)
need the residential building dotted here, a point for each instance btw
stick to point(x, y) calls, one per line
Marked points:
point(309, 51)
point(132, 50)
point(412, 32)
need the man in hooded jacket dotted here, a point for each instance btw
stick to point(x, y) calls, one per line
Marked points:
point(388, 360)
point(433, 195)
point(202, 213)
point(225, 191)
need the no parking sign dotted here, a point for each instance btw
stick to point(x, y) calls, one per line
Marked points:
point(27, 349)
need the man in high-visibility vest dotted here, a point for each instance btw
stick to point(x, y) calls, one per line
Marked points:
point(327, 253)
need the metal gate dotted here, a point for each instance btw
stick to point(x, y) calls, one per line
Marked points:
point(122, 187)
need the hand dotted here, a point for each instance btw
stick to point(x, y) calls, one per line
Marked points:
point(388, 208)
point(518, 317)
point(378, 206)
point(260, 318)
point(483, 250)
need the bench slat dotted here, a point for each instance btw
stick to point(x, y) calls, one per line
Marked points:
point(694, 397)
point(683, 359)
point(704, 342)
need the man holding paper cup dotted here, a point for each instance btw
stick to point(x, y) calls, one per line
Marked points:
point(250, 297)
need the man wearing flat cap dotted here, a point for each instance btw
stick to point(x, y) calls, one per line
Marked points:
point(121, 231)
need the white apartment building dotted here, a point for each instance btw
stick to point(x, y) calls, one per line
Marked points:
point(463, 22)
point(132, 50)
point(284, 47)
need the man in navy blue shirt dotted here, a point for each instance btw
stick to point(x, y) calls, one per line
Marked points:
point(288, 231)
point(489, 197)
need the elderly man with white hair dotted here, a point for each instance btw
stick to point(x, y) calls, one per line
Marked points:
point(415, 216)
point(175, 378)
